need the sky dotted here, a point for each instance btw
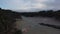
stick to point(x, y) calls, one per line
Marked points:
point(30, 5)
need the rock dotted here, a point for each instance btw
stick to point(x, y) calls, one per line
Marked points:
point(49, 25)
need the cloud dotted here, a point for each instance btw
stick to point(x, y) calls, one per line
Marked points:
point(41, 0)
point(55, 5)
point(31, 4)
point(20, 4)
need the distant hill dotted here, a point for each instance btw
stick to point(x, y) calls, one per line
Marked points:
point(48, 13)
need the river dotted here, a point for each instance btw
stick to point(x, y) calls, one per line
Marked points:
point(35, 28)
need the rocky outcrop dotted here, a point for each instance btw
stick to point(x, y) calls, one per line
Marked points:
point(49, 25)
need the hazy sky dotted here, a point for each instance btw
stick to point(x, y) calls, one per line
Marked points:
point(30, 4)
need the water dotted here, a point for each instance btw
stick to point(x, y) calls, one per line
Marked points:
point(35, 28)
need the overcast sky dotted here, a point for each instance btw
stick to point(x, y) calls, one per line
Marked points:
point(30, 4)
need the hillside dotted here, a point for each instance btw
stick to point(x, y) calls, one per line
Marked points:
point(7, 21)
